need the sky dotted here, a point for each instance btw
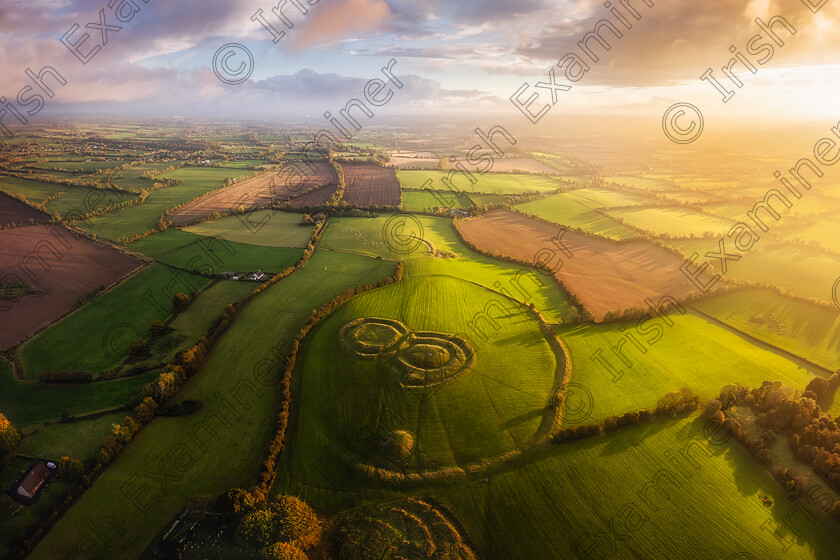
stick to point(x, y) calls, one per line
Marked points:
point(452, 58)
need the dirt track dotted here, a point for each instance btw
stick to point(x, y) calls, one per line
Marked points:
point(59, 267)
point(604, 276)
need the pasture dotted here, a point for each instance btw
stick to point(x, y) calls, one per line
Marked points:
point(637, 376)
point(78, 439)
point(142, 218)
point(348, 402)
point(491, 183)
point(77, 201)
point(368, 236)
point(672, 221)
point(426, 201)
point(644, 486)
point(237, 386)
point(567, 210)
point(29, 403)
point(807, 272)
point(111, 323)
point(797, 326)
point(215, 256)
point(267, 228)
point(33, 191)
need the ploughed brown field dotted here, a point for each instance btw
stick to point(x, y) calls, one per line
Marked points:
point(257, 192)
point(13, 211)
point(368, 185)
point(59, 268)
point(317, 197)
point(604, 276)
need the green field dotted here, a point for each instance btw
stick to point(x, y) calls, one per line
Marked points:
point(78, 440)
point(675, 222)
point(367, 235)
point(250, 350)
point(28, 403)
point(141, 218)
point(698, 500)
point(77, 201)
point(488, 199)
point(497, 183)
point(111, 322)
point(568, 210)
point(163, 242)
point(772, 262)
point(793, 325)
point(268, 228)
point(693, 353)
point(485, 412)
point(34, 191)
point(425, 201)
point(214, 256)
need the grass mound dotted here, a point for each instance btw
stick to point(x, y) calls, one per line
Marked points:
point(397, 445)
point(408, 528)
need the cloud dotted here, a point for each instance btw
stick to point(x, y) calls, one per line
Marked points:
point(334, 22)
point(675, 42)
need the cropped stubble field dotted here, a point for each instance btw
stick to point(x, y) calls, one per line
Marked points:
point(604, 276)
point(250, 351)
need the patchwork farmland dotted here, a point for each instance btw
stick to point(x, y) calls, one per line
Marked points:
point(605, 277)
point(219, 367)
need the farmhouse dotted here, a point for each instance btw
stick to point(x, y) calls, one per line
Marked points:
point(34, 480)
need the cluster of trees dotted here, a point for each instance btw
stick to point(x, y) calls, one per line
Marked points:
point(70, 469)
point(813, 436)
point(671, 405)
point(90, 295)
point(278, 441)
point(278, 530)
point(10, 436)
point(340, 185)
point(309, 220)
point(83, 217)
point(123, 433)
